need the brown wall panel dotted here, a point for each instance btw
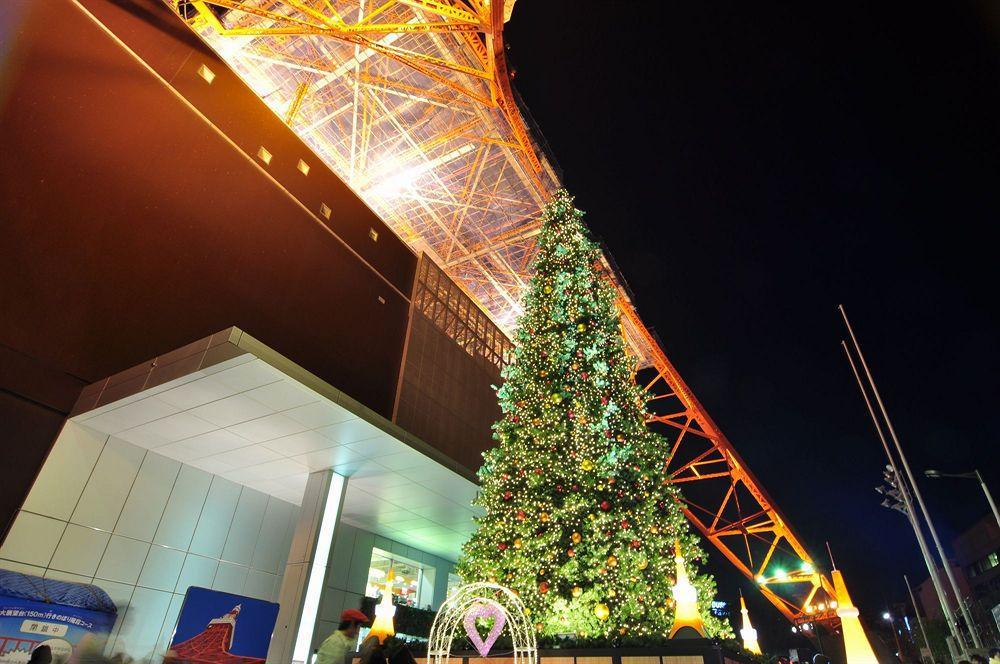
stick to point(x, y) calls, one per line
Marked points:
point(445, 396)
point(130, 227)
point(175, 52)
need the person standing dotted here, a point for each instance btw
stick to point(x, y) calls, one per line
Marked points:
point(342, 642)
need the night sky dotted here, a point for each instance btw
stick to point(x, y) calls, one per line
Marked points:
point(750, 166)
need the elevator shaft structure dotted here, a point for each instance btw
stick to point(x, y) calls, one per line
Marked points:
point(411, 103)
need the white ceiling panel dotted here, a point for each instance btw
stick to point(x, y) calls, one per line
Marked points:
point(379, 447)
point(400, 461)
point(130, 415)
point(351, 431)
point(284, 395)
point(231, 410)
point(245, 456)
point(267, 428)
point(196, 393)
point(207, 444)
point(249, 375)
point(167, 429)
point(332, 457)
point(300, 443)
point(320, 414)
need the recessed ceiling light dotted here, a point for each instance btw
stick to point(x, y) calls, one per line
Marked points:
point(373, 234)
point(303, 167)
point(264, 154)
point(325, 210)
point(206, 74)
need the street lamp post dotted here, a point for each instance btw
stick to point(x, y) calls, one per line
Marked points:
point(974, 475)
point(904, 504)
point(920, 621)
point(913, 485)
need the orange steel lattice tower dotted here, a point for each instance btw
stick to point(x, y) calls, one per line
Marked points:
point(410, 102)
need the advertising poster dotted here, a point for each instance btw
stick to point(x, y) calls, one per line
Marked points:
point(26, 624)
point(222, 628)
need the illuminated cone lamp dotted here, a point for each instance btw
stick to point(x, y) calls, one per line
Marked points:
point(687, 618)
point(856, 646)
point(382, 627)
point(747, 632)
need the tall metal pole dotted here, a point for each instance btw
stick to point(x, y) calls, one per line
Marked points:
point(910, 513)
point(989, 497)
point(920, 621)
point(916, 490)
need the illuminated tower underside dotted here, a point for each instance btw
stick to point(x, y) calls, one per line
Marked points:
point(410, 103)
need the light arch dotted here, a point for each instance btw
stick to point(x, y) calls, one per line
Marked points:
point(453, 610)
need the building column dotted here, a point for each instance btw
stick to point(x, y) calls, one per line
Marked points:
point(306, 570)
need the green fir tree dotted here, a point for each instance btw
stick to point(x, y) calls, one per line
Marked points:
point(579, 520)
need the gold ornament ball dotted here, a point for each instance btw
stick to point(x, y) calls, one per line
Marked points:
point(587, 465)
point(602, 611)
point(612, 561)
point(643, 564)
point(576, 537)
point(612, 592)
point(577, 591)
point(517, 543)
point(581, 327)
point(544, 516)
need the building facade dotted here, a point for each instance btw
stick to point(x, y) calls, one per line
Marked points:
point(218, 367)
point(976, 567)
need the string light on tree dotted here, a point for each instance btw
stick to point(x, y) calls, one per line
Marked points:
point(578, 517)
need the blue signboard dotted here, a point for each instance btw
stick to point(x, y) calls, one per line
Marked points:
point(218, 627)
point(36, 611)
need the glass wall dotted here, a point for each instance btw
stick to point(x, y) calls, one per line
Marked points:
point(412, 582)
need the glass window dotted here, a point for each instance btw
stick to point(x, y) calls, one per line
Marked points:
point(406, 581)
point(454, 581)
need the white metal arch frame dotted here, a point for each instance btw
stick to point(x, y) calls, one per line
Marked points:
point(452, 614)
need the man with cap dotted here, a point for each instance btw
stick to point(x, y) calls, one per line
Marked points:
point(338, 645)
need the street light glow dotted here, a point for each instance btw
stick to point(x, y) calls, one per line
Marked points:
point(886, 616)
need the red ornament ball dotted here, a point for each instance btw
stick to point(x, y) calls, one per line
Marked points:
point(502, 546)
point(520, 515)
point(538, 471)
point(507, 495)
point(625, 523)
point(636, 544)
point(605, 505)
point(543, 587)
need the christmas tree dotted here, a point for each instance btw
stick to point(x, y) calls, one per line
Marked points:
point(579, 518)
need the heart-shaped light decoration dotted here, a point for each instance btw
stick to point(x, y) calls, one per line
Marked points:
point(484, 610)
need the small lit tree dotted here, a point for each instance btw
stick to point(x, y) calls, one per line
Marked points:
point(579, 518)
